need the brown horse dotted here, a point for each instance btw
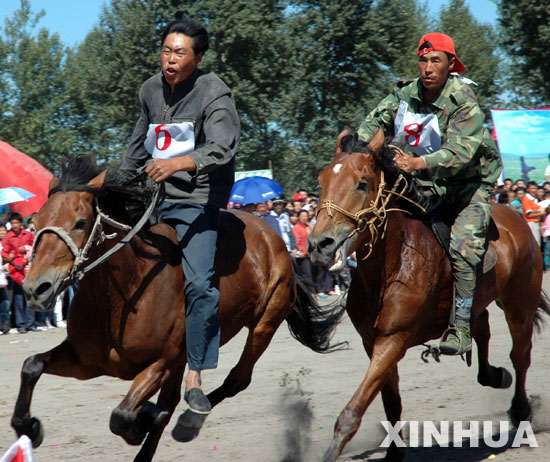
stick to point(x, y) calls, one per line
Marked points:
point(402, 292)
point(127, 318)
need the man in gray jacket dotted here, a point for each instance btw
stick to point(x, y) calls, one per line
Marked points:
point(190, 129)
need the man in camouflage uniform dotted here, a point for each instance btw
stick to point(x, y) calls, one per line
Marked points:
point(438, 120)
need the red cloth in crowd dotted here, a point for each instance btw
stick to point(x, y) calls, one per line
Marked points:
point(529, 203)
point(11, 245)
point(301, 232)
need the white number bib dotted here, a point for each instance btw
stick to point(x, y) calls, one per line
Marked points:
point(165, 141)
point(418, 133)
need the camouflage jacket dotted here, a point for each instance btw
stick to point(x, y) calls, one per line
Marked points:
point(468, 153)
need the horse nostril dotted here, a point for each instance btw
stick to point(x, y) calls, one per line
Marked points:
point(326, 243)
point(44, 287)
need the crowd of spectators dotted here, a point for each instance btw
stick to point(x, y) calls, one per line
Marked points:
point(293, 220)
point(16, 240)
point(532, 202)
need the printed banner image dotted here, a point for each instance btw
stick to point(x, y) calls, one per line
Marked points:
point(523, 138)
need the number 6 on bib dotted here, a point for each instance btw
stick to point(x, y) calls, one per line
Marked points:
point(165, 141)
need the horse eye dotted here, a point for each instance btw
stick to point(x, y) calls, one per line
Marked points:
point(362, 186)
point(80, 225)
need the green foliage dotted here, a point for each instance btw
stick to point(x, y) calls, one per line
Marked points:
point(476, 46)
point(105, 73)
point(341, 57)
point(301, 71)
point(31, 84)
point(407, 23)
point(248, 54)
point(525, 35)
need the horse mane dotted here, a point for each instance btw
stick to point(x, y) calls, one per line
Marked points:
point(384, 159)
point(125, 194)
point(76, 174)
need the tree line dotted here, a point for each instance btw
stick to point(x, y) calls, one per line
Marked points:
point(301, 71)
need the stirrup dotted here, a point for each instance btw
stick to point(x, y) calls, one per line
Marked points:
point(461, 349)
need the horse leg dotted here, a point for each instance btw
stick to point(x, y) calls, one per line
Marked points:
point(241, 375)
point(169, 397)
point(190, 423)
point(489, 376)
point(392, 405)
point(520, 324)
point(62, 361)
point(381, 374)
point(134, 417)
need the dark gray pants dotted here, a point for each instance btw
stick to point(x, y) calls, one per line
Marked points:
point(196, 226)
point(4, 307)
point(24, 316)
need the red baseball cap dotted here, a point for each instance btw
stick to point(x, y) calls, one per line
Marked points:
point(298, 197)
point(440, 42)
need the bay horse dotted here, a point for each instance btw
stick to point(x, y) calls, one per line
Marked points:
point(402, 292)
point(127, 319)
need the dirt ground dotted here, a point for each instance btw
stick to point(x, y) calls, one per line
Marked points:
point(294, 399)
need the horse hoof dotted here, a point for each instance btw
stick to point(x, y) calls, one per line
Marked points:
point(37, 432)
point(188, 427)
point(152, 416)
point(521, 415)
point(499, 377)
point(505, 378)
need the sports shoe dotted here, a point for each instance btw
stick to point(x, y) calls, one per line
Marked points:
point(198, 403)
point(456, 340)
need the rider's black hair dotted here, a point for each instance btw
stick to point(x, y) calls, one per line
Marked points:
point(429, 45)
point(190, 28)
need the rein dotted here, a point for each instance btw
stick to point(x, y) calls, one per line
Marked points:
point(81, 255)
point(378, 208)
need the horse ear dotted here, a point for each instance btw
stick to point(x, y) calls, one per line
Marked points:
point(97, 182)
point(53, 183)
point(377, 141)
point(344, 133)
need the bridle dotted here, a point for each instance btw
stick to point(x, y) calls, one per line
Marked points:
point(98, 236)
point(377, 210)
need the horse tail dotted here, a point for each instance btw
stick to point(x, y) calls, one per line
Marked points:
point(313, 325)
point(544, 308)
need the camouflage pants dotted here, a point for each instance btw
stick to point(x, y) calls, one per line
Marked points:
point(468, 234)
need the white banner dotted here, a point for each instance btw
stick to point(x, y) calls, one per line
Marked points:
point(267, 173)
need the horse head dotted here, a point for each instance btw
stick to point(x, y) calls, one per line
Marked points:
point(349, 189)
point(64, 225)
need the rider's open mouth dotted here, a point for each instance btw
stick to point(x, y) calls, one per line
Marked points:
point(171, 71)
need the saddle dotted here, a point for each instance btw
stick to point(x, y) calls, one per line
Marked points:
point(442, 232)
point(439, 215)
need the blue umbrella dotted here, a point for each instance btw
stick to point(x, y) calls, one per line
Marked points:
point(13, 194)
point(255, 189)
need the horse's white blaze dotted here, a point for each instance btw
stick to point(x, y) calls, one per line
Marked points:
point(337, 168)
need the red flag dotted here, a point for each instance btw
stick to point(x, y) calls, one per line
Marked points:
point(19, 457)
point(20, 451)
